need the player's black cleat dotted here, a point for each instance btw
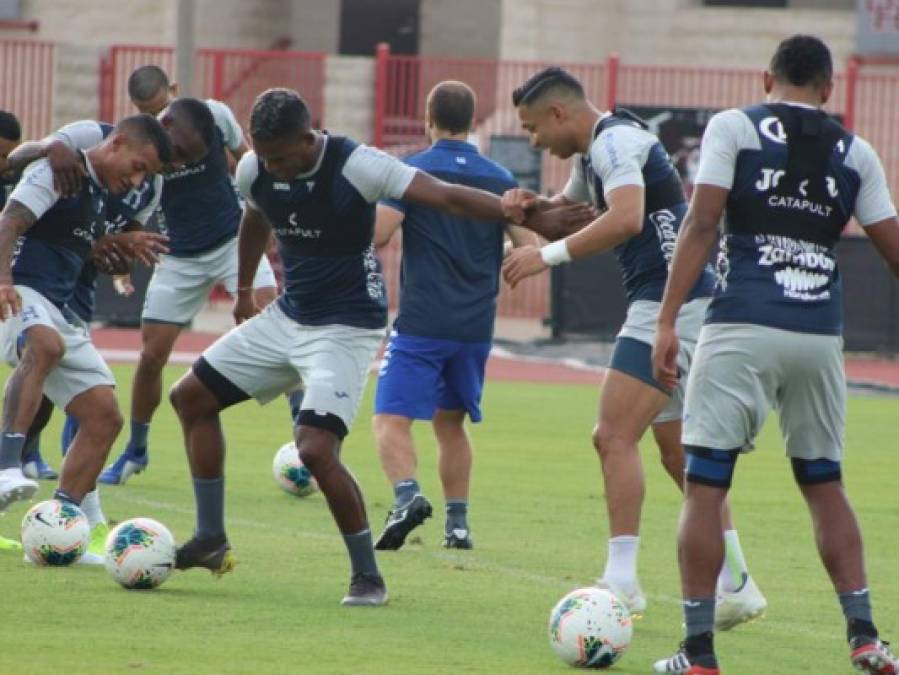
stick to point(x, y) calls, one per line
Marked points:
point(401, 520)
point(458, 537)
point(213, 554)
point(366, 590)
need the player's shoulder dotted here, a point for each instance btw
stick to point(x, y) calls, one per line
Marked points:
point(735, 122)
point(247, 168)
point(495, 170)
point(38, 173)
point(218, 107)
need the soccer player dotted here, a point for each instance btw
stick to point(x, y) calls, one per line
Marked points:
point(201, 218)
point(44, 242)
point(433, 367)
point(318, 193)
point(787, 179)
point(625, 172)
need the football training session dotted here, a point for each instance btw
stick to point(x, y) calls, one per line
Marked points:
point(449, 336)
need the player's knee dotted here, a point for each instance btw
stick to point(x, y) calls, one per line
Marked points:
point(153, 359)
point(46, 348)
point(103, 421)
point(387, 426)
point(605, 440)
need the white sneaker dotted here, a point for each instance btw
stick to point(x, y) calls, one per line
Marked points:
point(735, 607)
point(15, 486)
point(634, 602)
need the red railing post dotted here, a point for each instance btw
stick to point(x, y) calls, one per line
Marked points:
point(218, 76)
point(852, 71)
point(612, 63)
point(382, 53)
point(106, 85)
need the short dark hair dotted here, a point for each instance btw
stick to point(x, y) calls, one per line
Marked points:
point(278, 113)
point(10, 129)
point(145, 128)
point(802, 60)
point(145, 82)
point(552, 79)
point(451, 106)
point(200, 116)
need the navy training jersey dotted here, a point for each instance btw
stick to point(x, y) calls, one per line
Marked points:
point(50, 255)
point(449, 278)
point(324, 222)
point(623, 152)
point(795, 179)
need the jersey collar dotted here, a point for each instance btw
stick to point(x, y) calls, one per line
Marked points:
point(456, 146)
point(318, 162)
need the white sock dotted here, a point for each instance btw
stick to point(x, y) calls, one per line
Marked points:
point(90, 504)
point(621, 565)
point(734, 571)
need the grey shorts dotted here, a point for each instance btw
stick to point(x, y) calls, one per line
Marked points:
point(81, 367)
point(640, 325)
point(272, 354)
point(743, 371)
point(180, 286)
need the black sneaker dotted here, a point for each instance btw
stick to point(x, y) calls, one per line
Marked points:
point(401, 520)
point(366, 590)
point(213, 554)
point(458, 537)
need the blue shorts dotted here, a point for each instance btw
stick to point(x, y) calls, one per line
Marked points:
point(420, 375)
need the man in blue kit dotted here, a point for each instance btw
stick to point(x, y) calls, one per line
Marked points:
point(318, 193)
point(625, 172)
point(433, 367)
point(787, 179)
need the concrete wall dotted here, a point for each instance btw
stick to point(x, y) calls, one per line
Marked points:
point(315, 25)
point(466, 28)
point(76, 82)
point(663, 31)
point(349, 96)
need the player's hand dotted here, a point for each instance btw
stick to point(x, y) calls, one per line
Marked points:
point(110, 256)
point(122, 284)
point(559, 222)
point(521, 263)
point(245, 306)
point(517, 203)
point(664, 357)
point(68, 171)
point(10, 301)
point(144, 246)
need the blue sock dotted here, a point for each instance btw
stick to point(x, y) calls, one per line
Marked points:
point(405, 490)
point(69, 429)
point(699, 616)
point(456, 515)
point(362, 553)
point(295, 399)
point(210, 496)
point(856, 605)
point(11, 446)
point(137, 444)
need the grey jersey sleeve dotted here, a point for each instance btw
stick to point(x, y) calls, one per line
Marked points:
point(727, 133)
point(377, 175)
point(873, 202)
point(79, 135)
point(618, 155)
point(576, 189)
point(226, 122)
point(245, 176)
point(35, 191)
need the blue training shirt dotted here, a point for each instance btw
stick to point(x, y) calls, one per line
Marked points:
point(450, 267)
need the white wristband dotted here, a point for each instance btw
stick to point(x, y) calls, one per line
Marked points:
point(555, 253)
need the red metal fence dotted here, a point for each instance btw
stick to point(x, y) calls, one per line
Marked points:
point(232, 76)
point(26, 84)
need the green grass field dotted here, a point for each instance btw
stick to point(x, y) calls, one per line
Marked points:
point(539, 526)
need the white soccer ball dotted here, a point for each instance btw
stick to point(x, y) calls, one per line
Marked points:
point(291, 474)
point(140, 553)
point(590, 628)
point(55, 533)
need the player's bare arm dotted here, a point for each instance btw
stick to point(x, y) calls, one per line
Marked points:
point(254, 234)
point(68, 171)
point(387, 222)
point(14, 222)
point(885, 237)
point(621, 221)
point(517, 202)
point(697, 236)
